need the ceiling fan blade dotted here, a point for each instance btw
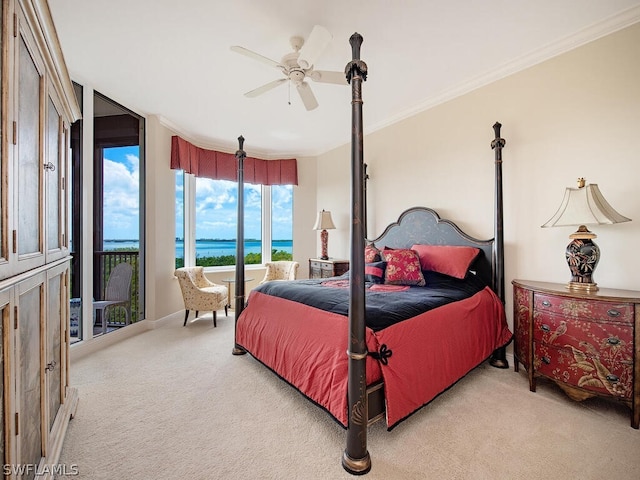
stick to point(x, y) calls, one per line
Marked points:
point(254, 55)
point(265, 88)
point(324, 76)
point(307, 96)
point(318, 40)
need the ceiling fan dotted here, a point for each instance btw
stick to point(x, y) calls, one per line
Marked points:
point(299, 65)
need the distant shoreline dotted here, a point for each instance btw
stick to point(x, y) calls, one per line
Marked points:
point(205, 247)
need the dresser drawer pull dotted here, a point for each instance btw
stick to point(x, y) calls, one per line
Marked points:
point(612, 378)
point(546, 360)
point(613, 313)
point(613, 341)
point(545, 328)
point(546, 303)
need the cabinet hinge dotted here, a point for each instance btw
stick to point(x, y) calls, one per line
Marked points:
point(15, 241)
point(15, 317)
point(17, 423)
point(15, 24)
point(15, 132)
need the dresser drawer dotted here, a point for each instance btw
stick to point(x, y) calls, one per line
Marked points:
point(612, 340)
point(318, 265)
point(584, 369)
point(585, 309)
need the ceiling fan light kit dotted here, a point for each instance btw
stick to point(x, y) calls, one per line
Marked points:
point(298, 65)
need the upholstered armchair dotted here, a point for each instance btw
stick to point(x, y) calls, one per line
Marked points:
point(199, 293)
point(280, 270)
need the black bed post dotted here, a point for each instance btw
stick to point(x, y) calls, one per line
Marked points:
point(240, 155)
point(499, 358)
point(355, 459)
point(365, 214)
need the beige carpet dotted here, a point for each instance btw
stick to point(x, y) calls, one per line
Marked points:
point(173, 403)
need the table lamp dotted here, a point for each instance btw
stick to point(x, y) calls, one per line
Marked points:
point(324, 223)
point(583, 206)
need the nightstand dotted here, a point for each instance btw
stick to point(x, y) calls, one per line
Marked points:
point(588, 343)
point(319, 268)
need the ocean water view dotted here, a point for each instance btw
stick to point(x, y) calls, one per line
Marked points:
point(206, 248)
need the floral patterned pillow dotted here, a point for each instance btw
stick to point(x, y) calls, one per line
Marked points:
point(403, 267)
point(371, 254)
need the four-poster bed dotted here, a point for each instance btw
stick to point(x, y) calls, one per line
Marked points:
point(410, 330)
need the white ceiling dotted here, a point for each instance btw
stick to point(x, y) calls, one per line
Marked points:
point(173, 59)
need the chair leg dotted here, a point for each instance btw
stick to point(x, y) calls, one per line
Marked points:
point(214, 319)
point(186, 315)
point(226, 312)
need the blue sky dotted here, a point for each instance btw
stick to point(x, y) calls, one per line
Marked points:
point(216, 203)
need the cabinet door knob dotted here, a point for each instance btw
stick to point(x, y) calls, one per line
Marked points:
point(613, 378)
point(50, 366)
point(613, 341)
point(546, 360)
point(613, 313)
point(49, 166)
point(545, 328)
point(546, 303)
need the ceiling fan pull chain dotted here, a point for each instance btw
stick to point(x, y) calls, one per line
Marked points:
point(289, 88)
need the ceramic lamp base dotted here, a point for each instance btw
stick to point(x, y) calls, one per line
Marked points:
point(582, 256)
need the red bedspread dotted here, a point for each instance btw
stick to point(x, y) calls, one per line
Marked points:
point(307, 348)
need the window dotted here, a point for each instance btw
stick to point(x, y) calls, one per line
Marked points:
point(281, 222)
point(209, 209)
point(180, 218)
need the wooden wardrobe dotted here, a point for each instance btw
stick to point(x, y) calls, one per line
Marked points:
point(38, 107)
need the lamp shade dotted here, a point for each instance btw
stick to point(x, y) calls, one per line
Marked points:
point(323, 221)
point(584, 205)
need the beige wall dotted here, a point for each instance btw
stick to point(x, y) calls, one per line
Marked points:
point(163, 292)
point(575, 115)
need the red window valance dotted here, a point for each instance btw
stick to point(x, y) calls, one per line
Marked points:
point(222, 166)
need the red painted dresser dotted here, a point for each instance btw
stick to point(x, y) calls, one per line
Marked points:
point(586, 342)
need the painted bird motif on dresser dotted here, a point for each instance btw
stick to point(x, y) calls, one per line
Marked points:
point(560, 330)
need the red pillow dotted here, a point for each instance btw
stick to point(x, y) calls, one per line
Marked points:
point(448, 259)
point(371, 254)
point(403, 268)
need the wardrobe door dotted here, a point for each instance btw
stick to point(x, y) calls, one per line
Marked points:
point(5, 317)
point(4, 177)
point(29, 169)
point(29, 364)
point(55, 338)
point(55, 167)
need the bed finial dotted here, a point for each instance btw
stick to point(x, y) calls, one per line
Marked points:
point(497, 143)
point(355, 66)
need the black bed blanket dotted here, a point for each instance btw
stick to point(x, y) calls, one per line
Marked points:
point(383, 307)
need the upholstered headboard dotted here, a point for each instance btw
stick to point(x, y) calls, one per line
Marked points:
point(421, 225)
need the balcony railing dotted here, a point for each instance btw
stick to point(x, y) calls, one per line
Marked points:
point(104, 262)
